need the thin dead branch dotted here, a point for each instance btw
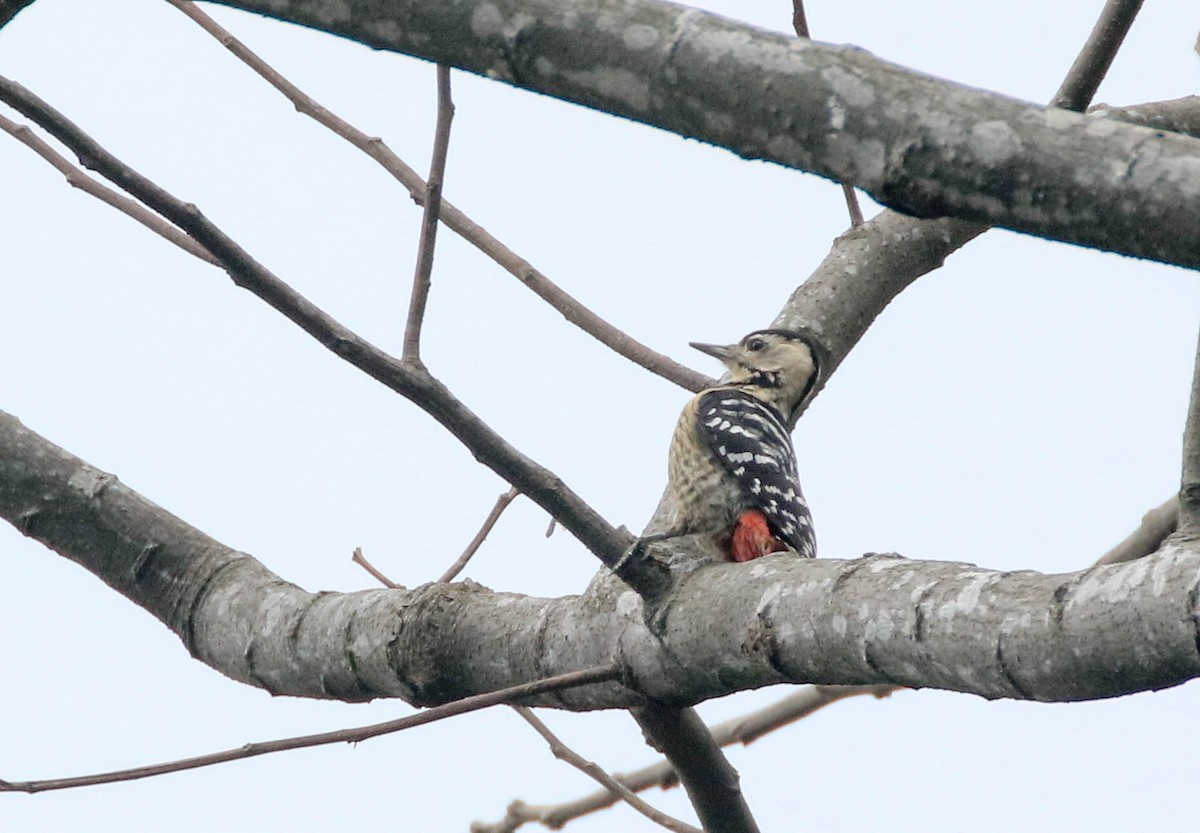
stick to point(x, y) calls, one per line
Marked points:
point(596, 773)
point(429, 217)
point(361, 560)
point(570, 308)
point(599, 674)
point(502, 503)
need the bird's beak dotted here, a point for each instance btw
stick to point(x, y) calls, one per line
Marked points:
point(717, 351)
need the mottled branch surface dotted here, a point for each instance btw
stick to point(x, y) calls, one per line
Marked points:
point(1102, 632)
point(924, 146)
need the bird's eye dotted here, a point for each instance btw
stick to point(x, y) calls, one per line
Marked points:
point(755, 344)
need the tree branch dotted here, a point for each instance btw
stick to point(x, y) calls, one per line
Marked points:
point(10, 8)
point(711, 782)
point(409, 379)
point(78, 179)
point(589, 676)
point(874, 620)
point(1156, 525)
point(429, 218)
point(570, 307)
point(502, 503)
point(1180, 115)
point(937, 148)
point(744, 729)
point(565, 753)
point(361, 560)
point(1094, 60)
point(424, 270)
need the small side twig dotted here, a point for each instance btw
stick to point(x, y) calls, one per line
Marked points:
point(800, 24)
point(429, 218)
point(1156, 525)
point(564, 753)
point(361, 560)
point(599, 674)
point(502, 503)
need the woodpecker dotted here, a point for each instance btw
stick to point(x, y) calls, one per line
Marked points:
point(732, 470)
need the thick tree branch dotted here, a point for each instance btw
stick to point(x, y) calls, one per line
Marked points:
point(873, 263)
point(1101, 632)
point(935, 149)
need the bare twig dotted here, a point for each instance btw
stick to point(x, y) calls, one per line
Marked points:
point(744, 729)
point(1094, 60)
point(589, 768)
point(502, 503)
point(415, 383)
point(78, 179)
point(361, 560)
point(1156, 525)
point(800, 24)
point(856, 215)
point(1189, 490)
point(599, 674)
point(429, 217)
point(456, 220)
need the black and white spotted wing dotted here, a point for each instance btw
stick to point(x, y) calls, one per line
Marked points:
point(752, 444)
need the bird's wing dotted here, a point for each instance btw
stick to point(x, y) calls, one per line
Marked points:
point(749, 439)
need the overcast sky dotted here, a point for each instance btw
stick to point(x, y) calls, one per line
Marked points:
point(1019, 409)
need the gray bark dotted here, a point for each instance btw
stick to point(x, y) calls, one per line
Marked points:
point(922, 145)
point(1103, 632)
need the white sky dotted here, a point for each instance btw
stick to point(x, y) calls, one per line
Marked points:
point(1019, 409)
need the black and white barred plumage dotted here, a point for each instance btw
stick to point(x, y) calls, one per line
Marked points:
point(749, 440)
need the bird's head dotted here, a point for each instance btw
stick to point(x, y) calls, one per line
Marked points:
point(778, 366)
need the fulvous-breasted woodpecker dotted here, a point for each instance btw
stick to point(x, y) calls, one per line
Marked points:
point(732, 469)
